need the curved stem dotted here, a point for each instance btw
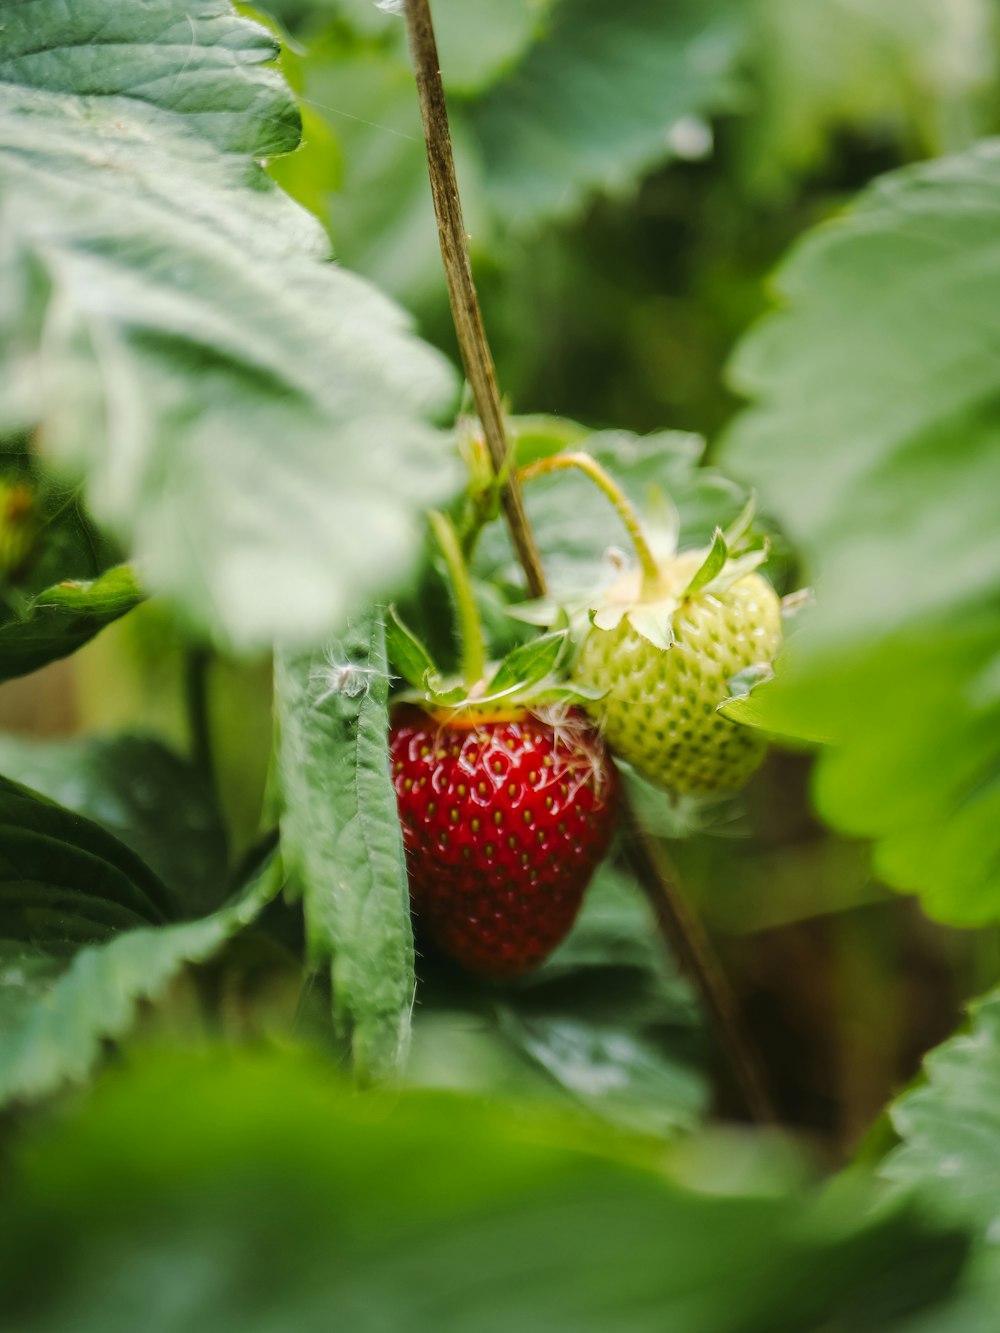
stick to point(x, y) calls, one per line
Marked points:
point(623, 505)
point(470, 625)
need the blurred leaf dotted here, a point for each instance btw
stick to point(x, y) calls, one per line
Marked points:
point(609, 92)
point(64, 880)
point(479, 40)
point(950, 1127)
point(57, 621)
point(172, 319)
point(250, 1193)
point(917, 71)
point(874, 441)
point(341, 838)
point(55, 1018)
point(152, 800)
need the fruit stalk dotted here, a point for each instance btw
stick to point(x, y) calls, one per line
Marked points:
point(469, 623)
point(475, 350)
point(606, 483)
point(688, 943)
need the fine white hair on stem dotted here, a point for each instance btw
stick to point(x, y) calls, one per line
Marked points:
point(337, 674)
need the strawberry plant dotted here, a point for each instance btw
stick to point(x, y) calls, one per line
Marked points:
point(442, 883)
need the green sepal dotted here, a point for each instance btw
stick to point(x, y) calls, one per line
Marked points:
point(662, 523)
point(711, 567)
point(407, 654)
point(734, 570)
point(741, 525)
point(529, 662)
point(654, 621)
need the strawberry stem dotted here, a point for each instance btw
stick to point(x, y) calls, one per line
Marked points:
point(651, 578)
point(469, 623)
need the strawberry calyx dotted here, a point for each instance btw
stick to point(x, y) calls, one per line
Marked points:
point(527, 680)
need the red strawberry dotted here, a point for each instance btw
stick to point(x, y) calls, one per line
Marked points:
point(504, 820)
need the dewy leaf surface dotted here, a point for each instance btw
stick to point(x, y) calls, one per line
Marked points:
point(248, 416)
point(55, 1018)
point(874, 439)
point(249, 1192)
point(341, 838)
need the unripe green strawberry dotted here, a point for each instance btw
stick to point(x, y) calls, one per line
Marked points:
point(664, 667)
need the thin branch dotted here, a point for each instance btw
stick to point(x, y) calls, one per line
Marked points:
point(688, 942)
point(679, 926)
point(472, 342)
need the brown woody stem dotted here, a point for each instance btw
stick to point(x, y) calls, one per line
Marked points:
point(468, 320)
point(680, 928)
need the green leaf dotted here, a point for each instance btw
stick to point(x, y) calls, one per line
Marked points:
point(950, 1127)
point(406, 653)
point(609, 93)
point(55, 1019)
point(174, 319)
point(152, 800)
point(64, 880)
point(529, 663)
point(341, 839)
point(873, 440)
point(248, 1191)
point(59, 620)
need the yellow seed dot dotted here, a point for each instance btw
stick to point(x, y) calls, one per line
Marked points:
point(466, 853)
point(461, 789)
point(561, 827)
point(548, 761)
point(511, 841)
point(548, 802)
point(497, 817)
point(497, 766)
point(533, 775)
point(524, 858)
point(399, 765)
point(424, 751)
point(453, 814)
point(455, 752)
point(475, 826)
point(481, 788)
point(527, 816)
point(407, 784)
point(489, 849)
point(511, 788)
